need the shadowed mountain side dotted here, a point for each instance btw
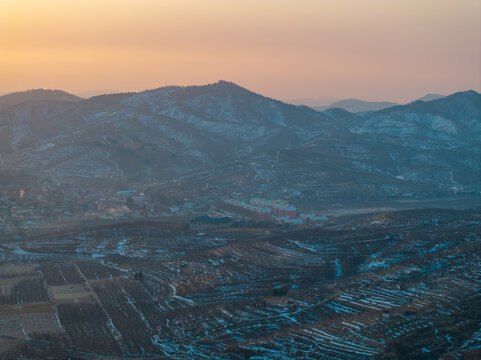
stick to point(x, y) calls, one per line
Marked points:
point(167, 133)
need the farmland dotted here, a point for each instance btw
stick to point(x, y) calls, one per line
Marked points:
point(359, 287)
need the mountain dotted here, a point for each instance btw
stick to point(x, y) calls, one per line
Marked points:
point(356, 105)
point(162, 132)
point(36, 95)
point(233, 139)
point(313, 102)
point(430, 97)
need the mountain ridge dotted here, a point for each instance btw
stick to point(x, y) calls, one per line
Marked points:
point(167, 133)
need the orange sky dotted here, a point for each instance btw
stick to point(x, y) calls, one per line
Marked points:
point(287, 49)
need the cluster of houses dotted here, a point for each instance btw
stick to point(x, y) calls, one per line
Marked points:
point(262, 209)
point(278, 211)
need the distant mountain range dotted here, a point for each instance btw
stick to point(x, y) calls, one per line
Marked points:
point(356, 105)
point(231, 138)
point(314, 102)
point(351, 105)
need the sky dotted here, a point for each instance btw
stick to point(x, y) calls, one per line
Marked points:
point(285, 49)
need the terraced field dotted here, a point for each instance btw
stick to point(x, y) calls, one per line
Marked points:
point(354, 289)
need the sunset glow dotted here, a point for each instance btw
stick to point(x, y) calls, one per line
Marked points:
point(373, 49)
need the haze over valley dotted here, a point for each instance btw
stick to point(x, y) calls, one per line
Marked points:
point(323, 201)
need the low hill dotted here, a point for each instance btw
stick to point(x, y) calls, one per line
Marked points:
point(36, 95)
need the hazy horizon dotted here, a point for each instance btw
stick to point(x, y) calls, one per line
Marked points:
point(309, 101)
point(372, 50)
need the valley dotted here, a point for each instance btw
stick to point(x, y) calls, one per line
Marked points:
point(181, 152)
point(212, 222)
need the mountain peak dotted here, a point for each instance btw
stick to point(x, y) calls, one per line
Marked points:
point(468, 95)
point(227, 84)
point(451, 106)
point(430, 97)
point(222, 85)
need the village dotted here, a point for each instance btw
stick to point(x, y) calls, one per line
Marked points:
point(32, 206)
